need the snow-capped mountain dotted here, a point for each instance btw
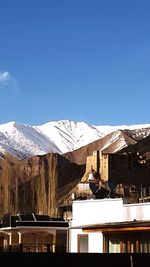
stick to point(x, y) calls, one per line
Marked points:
point(106, 129)
point(70, 135)
point(22, 141)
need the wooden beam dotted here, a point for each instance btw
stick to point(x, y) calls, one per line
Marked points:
point(122, 229)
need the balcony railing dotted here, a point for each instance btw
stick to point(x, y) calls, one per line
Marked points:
point(32, 247)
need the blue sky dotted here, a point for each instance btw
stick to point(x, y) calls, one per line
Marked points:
point(81, 60)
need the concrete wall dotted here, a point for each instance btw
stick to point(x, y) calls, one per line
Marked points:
point(137, 211)
point(95, 242)
point(73, 240)
point(98, 211)
point(94, 211)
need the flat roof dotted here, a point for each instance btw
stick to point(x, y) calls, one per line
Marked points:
point(32, 220)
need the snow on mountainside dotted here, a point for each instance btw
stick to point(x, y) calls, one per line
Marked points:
point(106, 129)
point(61, 136)
point(23, 141)
point(70, 135)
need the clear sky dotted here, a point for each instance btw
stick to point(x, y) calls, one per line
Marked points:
point(81, 60)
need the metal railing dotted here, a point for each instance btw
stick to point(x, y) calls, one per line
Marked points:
point(32, 247)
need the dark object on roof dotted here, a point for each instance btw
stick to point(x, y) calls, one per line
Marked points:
point(102, 193)
point(111, 185)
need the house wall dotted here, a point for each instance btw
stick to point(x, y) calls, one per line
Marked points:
point(73, 240)
point(97, 211)
point(93, 211)
point(95, 242)
point(137, 211)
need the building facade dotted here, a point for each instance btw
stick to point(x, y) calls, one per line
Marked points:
point(109, 226)
point(33, 233)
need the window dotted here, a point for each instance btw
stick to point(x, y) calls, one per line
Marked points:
point(137, 242)
point(83, 243)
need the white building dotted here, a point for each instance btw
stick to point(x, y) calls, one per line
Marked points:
point(33, 233)
point(108, 225)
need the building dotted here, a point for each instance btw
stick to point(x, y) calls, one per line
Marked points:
point(33, 233)
point(109, 226)
point(121, 175)
point(127, 170)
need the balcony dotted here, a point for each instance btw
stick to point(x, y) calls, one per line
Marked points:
point(33, 248)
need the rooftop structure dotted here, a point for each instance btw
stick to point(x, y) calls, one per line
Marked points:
point(33, 233)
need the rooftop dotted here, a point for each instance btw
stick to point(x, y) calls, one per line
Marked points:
point(30, 220)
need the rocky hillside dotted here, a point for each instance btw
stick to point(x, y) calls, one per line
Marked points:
point(36, 184)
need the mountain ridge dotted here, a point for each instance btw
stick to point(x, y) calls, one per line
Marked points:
point(64, 136)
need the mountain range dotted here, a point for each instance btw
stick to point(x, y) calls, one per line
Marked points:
point(63, 137)
point(41, 165)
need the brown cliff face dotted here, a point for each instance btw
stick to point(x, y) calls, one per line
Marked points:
point(36, 184)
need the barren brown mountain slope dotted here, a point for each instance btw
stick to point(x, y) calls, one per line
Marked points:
point(36, 184)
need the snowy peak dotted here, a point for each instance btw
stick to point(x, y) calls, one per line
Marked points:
point(70, 135)
point(22, 140)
